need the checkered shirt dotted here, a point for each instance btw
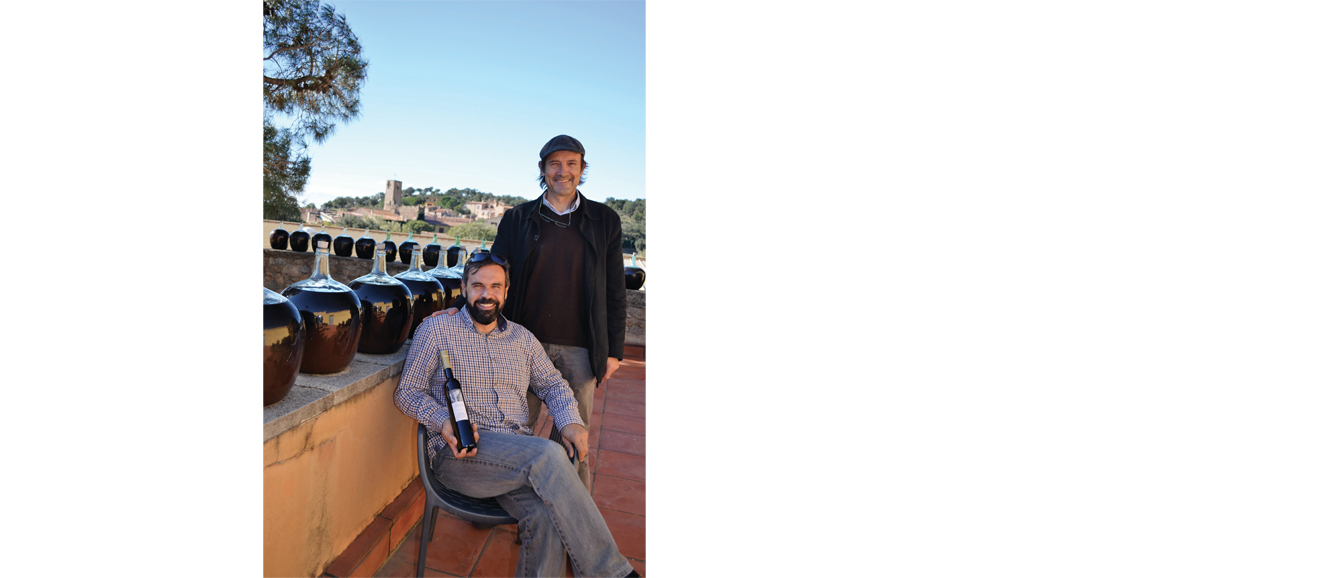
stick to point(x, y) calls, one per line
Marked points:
point(494, 370)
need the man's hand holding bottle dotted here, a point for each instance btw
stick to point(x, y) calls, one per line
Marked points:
point(449, 435)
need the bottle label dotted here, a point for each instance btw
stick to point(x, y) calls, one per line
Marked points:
point(458, 405)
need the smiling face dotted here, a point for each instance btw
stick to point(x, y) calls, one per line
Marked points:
point(485, 294)
point(562, 170)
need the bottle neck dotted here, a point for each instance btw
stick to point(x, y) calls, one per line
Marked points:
point(379, 262)
point(414, 259)
point(321, 265)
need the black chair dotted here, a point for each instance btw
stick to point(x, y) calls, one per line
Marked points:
point(484, 512)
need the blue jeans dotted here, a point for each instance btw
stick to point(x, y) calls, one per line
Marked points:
point(573, 362)
point(534, 480)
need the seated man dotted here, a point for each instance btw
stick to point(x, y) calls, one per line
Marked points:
point(496, 363)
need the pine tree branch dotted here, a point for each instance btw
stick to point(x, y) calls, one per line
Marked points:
point(287, 48)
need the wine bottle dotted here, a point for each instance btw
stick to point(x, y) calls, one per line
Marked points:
point(460, 419)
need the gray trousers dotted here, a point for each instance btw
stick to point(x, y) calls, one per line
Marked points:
point(573, 362)
point(532, 479)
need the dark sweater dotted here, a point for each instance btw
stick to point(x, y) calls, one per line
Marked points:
point(554, 307)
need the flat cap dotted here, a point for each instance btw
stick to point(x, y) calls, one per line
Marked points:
point(561, 142)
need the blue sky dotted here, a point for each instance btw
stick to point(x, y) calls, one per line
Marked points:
point(464, 94)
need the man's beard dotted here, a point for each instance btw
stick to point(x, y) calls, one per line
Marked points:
point(481, 316)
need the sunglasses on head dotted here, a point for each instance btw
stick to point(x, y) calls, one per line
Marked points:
point(484, 256)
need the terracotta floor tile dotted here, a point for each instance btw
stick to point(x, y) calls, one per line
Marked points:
point(397, 567)
point(623, 408)
point(628, 424)
point(409, 548)
point(408, 519)
point(594, 437)
point(639, 567)
point(374, 560)
point(627, 396)
point(598, 405)
point(620, 465)
point(627, 443)
point(499, 556)
point(628, 530)
point(627, 387)
point(627, 378)
point(404, 500)
point(349, 559)
point(455, 546)
point(620, 494)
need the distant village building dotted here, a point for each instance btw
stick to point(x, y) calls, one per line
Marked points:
point(486, 210)
point(381, 214)
point(455, 220)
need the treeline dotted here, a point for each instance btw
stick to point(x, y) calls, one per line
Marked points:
point(371, 201)
point(633, 223)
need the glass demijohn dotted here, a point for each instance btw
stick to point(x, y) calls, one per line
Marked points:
point(426, 291)
point(343, 244)
point(364, 246)
point(431, 252)
point(390, 247)
point(283, 341)
point(384, 309)
point(635, 276)
point(279, 237)
point(331, 317)
point(449, 277)
point(454, 252)
point(299, 240)
point(408, 248)
point(321, 235)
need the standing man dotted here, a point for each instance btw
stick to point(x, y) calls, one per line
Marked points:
point(568, 284)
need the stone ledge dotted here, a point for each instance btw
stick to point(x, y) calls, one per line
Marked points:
point(314, 394)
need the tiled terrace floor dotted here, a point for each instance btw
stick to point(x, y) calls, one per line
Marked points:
point(617, 462)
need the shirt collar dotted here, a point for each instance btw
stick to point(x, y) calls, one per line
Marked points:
point(469, 321)
point(574, 205)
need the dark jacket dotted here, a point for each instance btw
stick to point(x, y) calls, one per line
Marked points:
point(604, 273)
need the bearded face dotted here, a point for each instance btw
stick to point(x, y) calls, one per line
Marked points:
point(485, 294)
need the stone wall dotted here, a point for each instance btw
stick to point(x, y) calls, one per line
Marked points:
point(635, 318)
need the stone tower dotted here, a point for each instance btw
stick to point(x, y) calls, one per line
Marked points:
point(392, 197)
